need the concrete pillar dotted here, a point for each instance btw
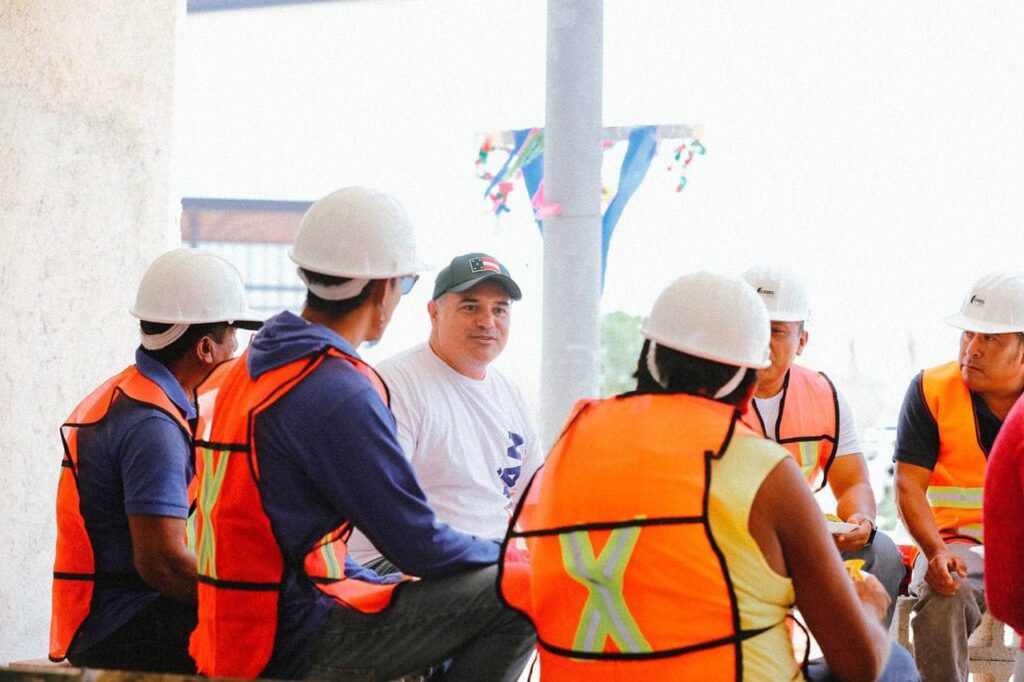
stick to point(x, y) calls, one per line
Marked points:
point(86, 91)
point(572, 178)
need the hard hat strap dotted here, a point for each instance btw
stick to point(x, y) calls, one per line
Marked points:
point(164, 338)
point(731, 385)
point(652, 365)
point(335, 292)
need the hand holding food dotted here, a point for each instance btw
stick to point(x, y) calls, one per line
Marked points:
point(871, 593)
point(850, 535)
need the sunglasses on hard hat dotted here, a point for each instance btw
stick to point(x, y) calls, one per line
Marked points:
point(407, 283)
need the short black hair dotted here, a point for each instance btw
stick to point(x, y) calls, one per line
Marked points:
point(685, 373)
point(176, 350)
point(333, 309)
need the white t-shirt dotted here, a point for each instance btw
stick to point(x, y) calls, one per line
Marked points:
point(473, 443)
point(848, 443)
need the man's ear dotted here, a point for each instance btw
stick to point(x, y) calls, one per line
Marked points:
point(802, 342)
point(432, 310)
point(204, 349)
point(379, 290)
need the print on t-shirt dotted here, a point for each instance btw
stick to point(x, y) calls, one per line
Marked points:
point(510, 474)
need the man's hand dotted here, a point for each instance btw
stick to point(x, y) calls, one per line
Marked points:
point(941, 567)
point(872, 596)
point(855, 539)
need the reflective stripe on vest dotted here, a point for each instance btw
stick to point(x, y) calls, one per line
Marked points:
point(616, 515)
point(955, 487)
point(74, 569)
point(605, 615)
point(807, 424)
point(239, 562)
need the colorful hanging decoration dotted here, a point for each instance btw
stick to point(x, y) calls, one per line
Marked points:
point(481, 158)
point(526, 159)
point(682, 157)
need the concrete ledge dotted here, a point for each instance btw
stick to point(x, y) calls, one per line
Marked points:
point(43, 670)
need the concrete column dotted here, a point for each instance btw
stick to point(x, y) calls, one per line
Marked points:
point(86, 91)
point(572, 178)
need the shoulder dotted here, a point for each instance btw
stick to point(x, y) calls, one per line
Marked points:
point(749, 446)
point(415, 361)
point(334, 385)
point(133, 419)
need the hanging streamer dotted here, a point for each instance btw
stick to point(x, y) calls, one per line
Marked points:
point(526, 159)
point(643, 143)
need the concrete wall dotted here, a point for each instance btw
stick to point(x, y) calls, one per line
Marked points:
point(85, 203)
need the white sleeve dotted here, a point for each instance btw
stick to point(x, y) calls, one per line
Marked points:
point(849, 442)
point(405, 405)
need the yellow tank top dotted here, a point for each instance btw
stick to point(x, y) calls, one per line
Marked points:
point(764, 596)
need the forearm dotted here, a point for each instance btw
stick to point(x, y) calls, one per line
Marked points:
point(174, 577)
point(857, 498)
point(918, 519)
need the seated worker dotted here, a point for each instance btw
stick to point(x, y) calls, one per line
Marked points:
point(124, 580)
point(464, 426)
point(950, 417)
point(298, 448)
point(803, 411)
point(1004, 508)
point(669, 542)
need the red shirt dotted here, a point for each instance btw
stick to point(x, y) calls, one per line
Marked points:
point(1003, 509)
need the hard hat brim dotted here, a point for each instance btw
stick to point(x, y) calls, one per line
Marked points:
point(704, 355)
point(961, 321)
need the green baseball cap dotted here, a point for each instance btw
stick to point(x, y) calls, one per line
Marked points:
point(466, 271)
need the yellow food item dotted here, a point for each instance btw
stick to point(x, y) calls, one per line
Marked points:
point(853, 567)
point(833, 517)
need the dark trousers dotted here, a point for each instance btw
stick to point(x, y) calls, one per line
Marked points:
point(154, 640)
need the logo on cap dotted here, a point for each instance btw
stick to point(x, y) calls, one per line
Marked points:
point(977, 299)
point(765, 292)
point(484, 263)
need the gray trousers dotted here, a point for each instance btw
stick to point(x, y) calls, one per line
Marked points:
point(457, 619)
point(942, 624)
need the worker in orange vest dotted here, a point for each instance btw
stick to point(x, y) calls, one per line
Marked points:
point(124, 579)
point(667, 541)
point(949, 420)
point(802, 410)
point(296, 449)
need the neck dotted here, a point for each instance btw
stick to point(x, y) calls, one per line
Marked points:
point(769, 390)
point(355, 327)
point(189, 374)
point(999, 403)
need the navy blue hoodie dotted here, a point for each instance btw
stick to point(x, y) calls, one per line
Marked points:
point(327, 454)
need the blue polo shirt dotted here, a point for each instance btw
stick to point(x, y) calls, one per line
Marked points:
point(136, 461)
point(327, 454)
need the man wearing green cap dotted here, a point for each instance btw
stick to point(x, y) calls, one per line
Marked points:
point(464, 426)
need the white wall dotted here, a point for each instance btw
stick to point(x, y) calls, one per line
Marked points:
point(85, 202)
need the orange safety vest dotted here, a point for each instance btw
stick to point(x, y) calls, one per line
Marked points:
point(625, 579)
point(808, 423)
point(957, 481)
point(240, 564)
point(74, 573)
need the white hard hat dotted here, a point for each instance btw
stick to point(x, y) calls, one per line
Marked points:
point(357, 233)
point(994, 305)
point(191, 286)
point(712, 316)
point(783, 294)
